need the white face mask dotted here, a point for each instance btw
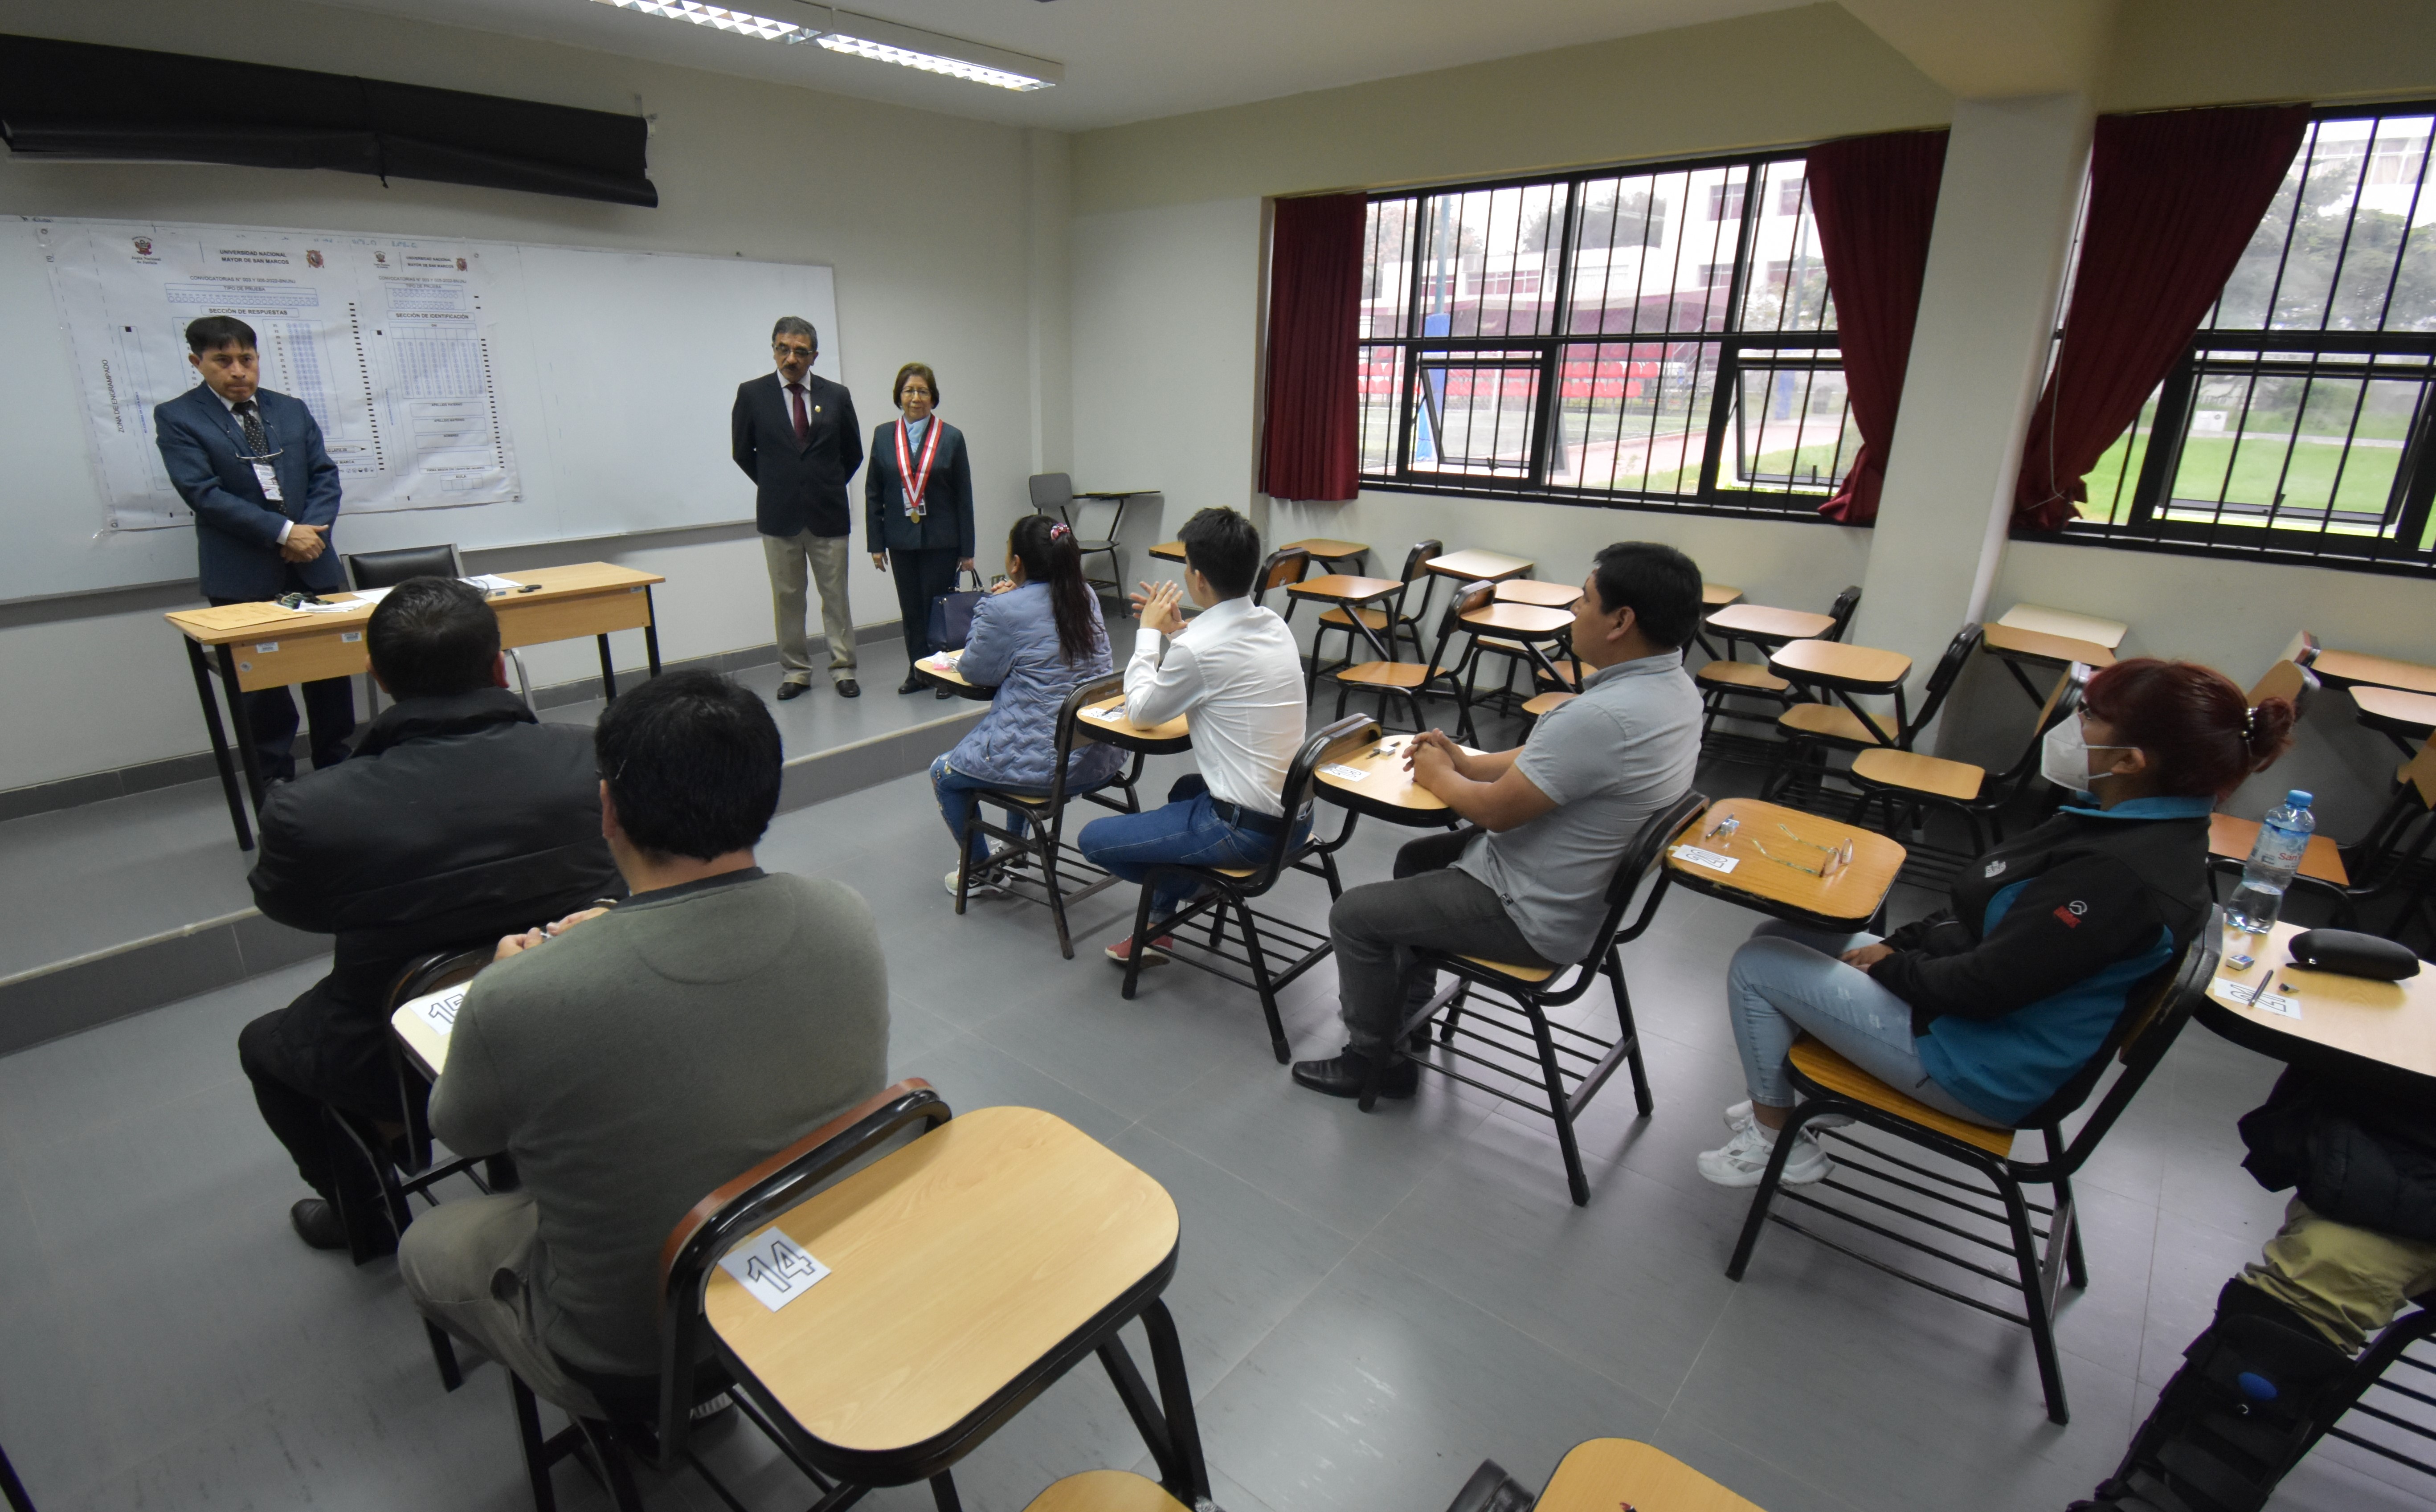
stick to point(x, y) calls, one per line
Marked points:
point(2063, 757)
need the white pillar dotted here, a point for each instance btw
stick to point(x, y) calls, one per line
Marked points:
point(1050, 216)
point(2013, 173)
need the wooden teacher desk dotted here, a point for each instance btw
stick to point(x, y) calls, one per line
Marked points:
point(256, 646)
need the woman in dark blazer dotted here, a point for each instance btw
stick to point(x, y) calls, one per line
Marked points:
point(925, 531)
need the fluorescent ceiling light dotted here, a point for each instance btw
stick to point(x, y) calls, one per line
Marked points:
point(886, 42)
point(743, 23)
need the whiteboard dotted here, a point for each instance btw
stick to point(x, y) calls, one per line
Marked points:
point(613, 375)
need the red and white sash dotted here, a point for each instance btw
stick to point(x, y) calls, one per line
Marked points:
point(917, 480)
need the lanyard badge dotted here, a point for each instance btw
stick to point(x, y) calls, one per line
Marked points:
point(917, 480)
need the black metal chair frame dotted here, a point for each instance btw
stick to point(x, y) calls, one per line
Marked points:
point(1997, 792)
point(11, 1489)
point(2383, 1355)
point(1543, 1061)
point(1712, 700)
point(1273, 575)
point(1804, 745)
point(2141, 1036)
point(1044, 838)
point(1404, 618)
point(1436, 670)
point(1063, 506)
point(402, 1163)
point(1224, 892)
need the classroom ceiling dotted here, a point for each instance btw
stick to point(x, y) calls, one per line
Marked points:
point(1125, 60)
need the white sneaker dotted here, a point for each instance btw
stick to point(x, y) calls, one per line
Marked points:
point(1744, 1159)
point(1738, 1117)
point(984, 880)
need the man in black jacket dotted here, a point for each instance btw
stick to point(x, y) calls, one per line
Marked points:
point(2359, 1239)
point(459, 818)
point(794, 434)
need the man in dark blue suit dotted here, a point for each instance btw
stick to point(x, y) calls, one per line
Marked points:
point(251, 465)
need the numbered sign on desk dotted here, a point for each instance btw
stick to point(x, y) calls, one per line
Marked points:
point(439, 1010)
point(773, 1268)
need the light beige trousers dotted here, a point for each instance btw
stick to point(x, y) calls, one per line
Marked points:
point(467, 1265)
point(827, 557)
point(2348, 1282)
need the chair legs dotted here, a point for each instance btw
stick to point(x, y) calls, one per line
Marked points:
point(591, 1437)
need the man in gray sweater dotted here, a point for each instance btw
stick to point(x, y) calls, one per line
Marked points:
point(633, 1059)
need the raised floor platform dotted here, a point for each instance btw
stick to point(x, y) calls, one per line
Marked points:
point(132, 902)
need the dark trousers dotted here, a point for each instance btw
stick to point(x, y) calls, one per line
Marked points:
point(1375, 928)
point(921, 576)
point(329, 706)
point(292, 1078)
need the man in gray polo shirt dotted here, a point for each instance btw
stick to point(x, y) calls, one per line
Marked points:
point(1525, 880)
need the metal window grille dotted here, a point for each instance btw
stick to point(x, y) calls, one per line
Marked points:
point(1661, 338)
point(2300, 425)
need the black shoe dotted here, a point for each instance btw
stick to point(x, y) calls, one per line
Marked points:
point(910, 685)
point(317, 1224)
point(848, 687)
point(1342, 1076)
point(788, 690)
point(942, 692)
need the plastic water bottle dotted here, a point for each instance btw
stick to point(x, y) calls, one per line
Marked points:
point(2282, 837)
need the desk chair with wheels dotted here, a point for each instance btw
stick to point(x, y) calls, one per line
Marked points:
point(1906, 782)
point(1054, 493)
point(1400, 620)
point(1284, 565)
point(387, 569)
point(1413, 681)
point(1231, 889)
point(1726, 679)
point(1811, 730)
point(1044, 837)
point(1532, 1050)
point(1828, 1083)
point(400, 1155)
point(692, 1371)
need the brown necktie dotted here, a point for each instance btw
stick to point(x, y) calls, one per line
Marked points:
point(803, 421)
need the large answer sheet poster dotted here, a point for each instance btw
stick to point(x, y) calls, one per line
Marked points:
point(385, 339)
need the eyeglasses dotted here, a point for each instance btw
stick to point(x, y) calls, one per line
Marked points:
point(785, 351)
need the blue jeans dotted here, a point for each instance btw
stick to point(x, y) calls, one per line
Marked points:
point(954, 790)
point(1786, 980)
point(1188, 830)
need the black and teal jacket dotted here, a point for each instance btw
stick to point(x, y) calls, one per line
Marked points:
point(2015, 987)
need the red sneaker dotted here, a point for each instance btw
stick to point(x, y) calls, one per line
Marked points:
point(1155, 955)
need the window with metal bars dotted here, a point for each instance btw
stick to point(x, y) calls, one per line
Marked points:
point(1657, 338)
point(2301, 423)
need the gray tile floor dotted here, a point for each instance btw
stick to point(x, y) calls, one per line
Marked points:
point(1370, 1305)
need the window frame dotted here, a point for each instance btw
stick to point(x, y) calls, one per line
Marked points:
point(1408, 354)
point(2322, 353)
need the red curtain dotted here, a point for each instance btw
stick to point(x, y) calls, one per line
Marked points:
point(1312, 433)
point(2174, 197)
point(1875, 198)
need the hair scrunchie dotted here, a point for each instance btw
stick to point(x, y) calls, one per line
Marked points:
point(1060, 530)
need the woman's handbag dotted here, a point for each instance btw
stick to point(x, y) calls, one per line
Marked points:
point(951, 617)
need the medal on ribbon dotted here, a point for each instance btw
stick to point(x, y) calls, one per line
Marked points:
point(916, 478)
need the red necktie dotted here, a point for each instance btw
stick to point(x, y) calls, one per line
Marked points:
point(803, 422)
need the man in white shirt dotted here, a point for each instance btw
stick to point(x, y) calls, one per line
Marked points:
point(1236, 671)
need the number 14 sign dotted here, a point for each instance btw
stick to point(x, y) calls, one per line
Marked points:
point(773, 1268)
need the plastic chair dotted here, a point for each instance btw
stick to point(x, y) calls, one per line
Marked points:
point(1828, 1083)
point(1534, 990)
point(1399, 621)
point(1413, 681)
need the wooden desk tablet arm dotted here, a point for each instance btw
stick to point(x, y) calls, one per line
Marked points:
point(742, 1204)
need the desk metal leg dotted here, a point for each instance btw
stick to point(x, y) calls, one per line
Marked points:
point(12, 1489)
point(220, 745)
point(943, 1492)
point(2023, 678)
point(608, 670)
point(1175, 1395)
point(651, 630)
point(240, 727)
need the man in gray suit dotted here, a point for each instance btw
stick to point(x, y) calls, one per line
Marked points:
point(794, 434)
point(633, 1059)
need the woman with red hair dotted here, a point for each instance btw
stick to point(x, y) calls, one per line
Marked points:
point(1986, 1010)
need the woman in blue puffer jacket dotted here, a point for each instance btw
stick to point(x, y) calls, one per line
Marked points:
point(1035, 638)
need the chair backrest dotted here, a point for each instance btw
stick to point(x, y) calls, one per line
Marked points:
point(2286, 680)
point(424, 976)
point(2063, 702)
point(1847, 604)
point(1643, 857)
point(1940, 681)
point(1416, 569)
point(1331, 742)
point(1069, 726)
point(1471, 595)
point(711, 1229)
point(2419, 773)
point(1283, 566)
point(387, 569)
point(1416, 561)
point(2153, 1015)
point(1051, 492)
